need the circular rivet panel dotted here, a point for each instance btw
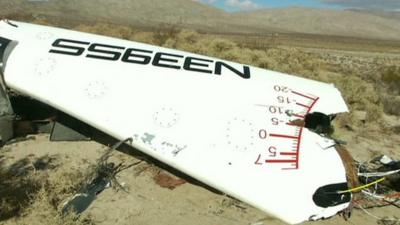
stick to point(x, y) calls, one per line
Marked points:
point(45, 67)
point(166, 117)
point(96, 89)
point(240, 134)
point(44, 35)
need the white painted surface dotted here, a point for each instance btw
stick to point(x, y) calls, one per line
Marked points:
point(211, 127)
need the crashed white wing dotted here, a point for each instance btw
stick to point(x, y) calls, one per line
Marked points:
point(223, 123)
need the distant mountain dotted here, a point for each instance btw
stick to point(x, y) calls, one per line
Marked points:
point(325, 22)
point(142, 12)
point(392, 15)
point(189, 13)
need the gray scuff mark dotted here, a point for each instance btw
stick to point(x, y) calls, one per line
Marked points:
point(289, 112)
point(148, 138)
point(176, 149)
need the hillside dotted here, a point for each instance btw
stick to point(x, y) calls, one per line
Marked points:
point(127, 12)
point(194, 15)
point(325, 22)
point(392, 15)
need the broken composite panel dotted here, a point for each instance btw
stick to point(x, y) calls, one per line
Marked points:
point(226, 124)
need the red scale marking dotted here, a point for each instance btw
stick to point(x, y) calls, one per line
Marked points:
point(283, 136)
point(294, 162)
point(301, 132)
point(305, 106)
point(305, 96)
point(281, 161)
point(288, 153)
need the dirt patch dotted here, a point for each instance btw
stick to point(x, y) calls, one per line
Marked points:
point(168, 181)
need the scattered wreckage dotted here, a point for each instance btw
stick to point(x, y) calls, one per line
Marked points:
point(257, 135)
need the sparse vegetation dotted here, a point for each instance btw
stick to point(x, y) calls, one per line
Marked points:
point(370, 84)
point(391, 78)
point(31, 195)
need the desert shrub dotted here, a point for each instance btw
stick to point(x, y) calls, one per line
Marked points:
point(391, 78)
point(266, 63)
point(327, 76)
point(234, 54)
point(200, 46)
point(19, 16)
point(220, 46)
point(111, 30)
point(360, 95)
point(374, 113)
point(312, 63)
point(144, 37)
point(244, 56)
point(293, 61)
point(17, 184)
point(42, 212)
point(347, 120)
point(29, 194)
point(184, 40)
point(165, 32)
point(391, 104)
point(357, 92)
point(61, 184)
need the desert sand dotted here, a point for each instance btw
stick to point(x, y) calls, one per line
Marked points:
point(146, 201)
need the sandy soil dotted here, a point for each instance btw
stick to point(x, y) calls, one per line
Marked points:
point(146, 202)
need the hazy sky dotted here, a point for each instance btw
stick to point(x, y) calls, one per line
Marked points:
point(238, 5)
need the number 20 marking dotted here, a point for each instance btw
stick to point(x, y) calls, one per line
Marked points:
point(283, 89)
